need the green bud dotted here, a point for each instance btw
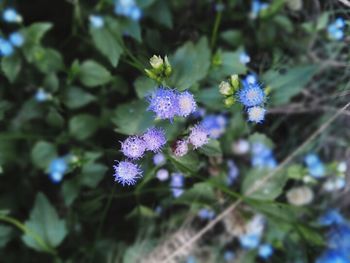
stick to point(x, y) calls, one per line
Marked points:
point(168, 69)
point(229, 101)
point(267, 90)
point(151, 74)
point(225, 88)
point(234, 80)
point(156, 62)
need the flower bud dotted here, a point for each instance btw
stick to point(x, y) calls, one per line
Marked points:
point(299, 196)
point(168, 68)
point(156, 62)
point(234, 79)
point(225, 88)
point(229, 101)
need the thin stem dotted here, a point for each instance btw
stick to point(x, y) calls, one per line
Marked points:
point(217, 22)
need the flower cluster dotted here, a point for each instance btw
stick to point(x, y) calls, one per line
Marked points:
point(336, 29)
point(176, 184)
point(128, 8)
point(168, 103)
point(262, 156)
point(215, 125)
point(57, 168)
point(338, 240)
point(249, 93)
point(161, 68)
point(15, 39)
point(134, 148)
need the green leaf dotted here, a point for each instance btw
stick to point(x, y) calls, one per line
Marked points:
point(296, 171)
point(188, 164)
point(160, 12)
point(212, 148)
point(107, 43)
point(286, 85)
point(264, 189)
point(35, 32)
point(144, 86)
point(132, 28)
point(54, 118)
point(83, 126)
point(230, 64)
point(76, 98)
point(200, 193)
point(5, 235)
point(70, 191)
point(44, 222)
point(190, 64)
point(48, 60)
point(93, 74)
point(132, 118)
point(42, 154)
point(92, 174)
point(211, 98)
point(311, 235)
point(141, 211)
point(233, 37)
point(11, 66)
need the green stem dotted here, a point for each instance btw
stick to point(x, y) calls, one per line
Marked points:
point(29, 232)
point(214, 35)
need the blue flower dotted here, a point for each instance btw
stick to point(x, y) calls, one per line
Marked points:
point(164, 103)
point(41, 95)
point(339, 237)
point(215, 125)
point(251, 94)
point(16, 39)
point(10, 15)
point(159, 159)
point(133, 147)
point(96, 21)
point(315, 166)
point(331, 217)
point(191, 259)
point(127, 173)
point(336, 29)
point(244, 58)
point(176, 184)
point(256, 8)
point(249, 241)
point(262, 156)
point(333, 256)
point(233, 172)
point(198, 136)
point(265, 251)
point(128, 8)
point(187, 104)
point(57, 169)
point(154, 139)
point(256, 114)
point(311, 159)
point(229, 256)
point(6, 48)
point(162, 175)
point(206, 214)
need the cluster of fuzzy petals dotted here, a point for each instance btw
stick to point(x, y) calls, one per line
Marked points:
point(154, 139)
point(251, 95)
point(187, 104)
point(126, 173)
point(256, 114)
point(164, 103)
point(133, 147)
point(198, 136)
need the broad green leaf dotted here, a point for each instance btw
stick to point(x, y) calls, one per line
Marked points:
point(131, 28)
point(144, 86)
point(187, 164)
point(232, 37)
point(296, 171)
point(54, 118)
point(212, 148)
point(92, 174)
point(44, 222)
point(35, 32)
point(107, 43)
point(70, 191)
point(211, 98)
point(83, 126)
point(229, 65)
point(265, 186)
point(11, 66)
point(93, 74)
point(132, 118)
point(76, 98)
point(311, 235)
point(161, 13)
point(42, 154)
point(285, 85)
point(48, 60)
point(198, 195)
point(5, 235)
point(190, 64)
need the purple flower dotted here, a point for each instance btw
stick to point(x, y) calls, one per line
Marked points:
point(176, 184)
point(159, 159)
point(162, 175)
point(164, 103)
point(133, 147)
point(154, 139)
point(251, 94)
point(181, 148)
point(233, 172)
point(187, 104)
point(206, 214)
point(198, 136)
point(215, 125)
point(126, 173)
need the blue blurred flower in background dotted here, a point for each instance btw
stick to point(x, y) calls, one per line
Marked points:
point(57, 168)
point(6, 48)
point(315, 166)
point(336, 29)
point(256, 7)
point(159, 159)
point(244, 58)
point(233, 172)
point(215, 125)
point(96, 21)
point(10, 15)
point(41, 95)
point(229, 255)
point(331, 217)
point(176, 184)
point(265, 251)
point(128, 8)
point(262, 156)
point(16, 39)
point(333, 256)
point(206, 214)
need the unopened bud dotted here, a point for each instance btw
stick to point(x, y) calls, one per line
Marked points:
point(168, 68)
point(156, 62)
point(225, 88)
point(234, 79)
point(229, 101)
